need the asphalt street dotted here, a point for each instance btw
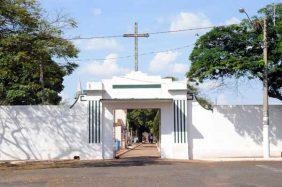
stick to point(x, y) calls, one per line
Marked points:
point(149, 172)
point(142, 167)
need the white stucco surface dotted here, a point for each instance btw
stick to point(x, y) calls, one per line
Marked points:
point(232, 131)
point(187, 130)
point(57, 132)
point(169, 89)
point(45, 132)
point(152, 92)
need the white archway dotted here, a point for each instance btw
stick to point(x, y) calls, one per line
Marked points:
point(138, 90)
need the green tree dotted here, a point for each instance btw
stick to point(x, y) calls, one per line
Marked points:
point(145, 120)
point(31, 47)
point(155, 126)
point(236, 51)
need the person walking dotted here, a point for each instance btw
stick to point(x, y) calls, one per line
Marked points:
point(151, 138)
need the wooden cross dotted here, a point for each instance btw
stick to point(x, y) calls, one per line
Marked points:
point(136, 36)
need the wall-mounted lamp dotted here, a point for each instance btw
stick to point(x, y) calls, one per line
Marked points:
point(190, 96)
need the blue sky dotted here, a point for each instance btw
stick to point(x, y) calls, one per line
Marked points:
point(112, 17)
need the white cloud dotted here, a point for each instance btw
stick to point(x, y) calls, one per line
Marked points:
point(232, 20)
point(107, 68)
point(190, 20)
point(97, 11)
point(99, 44)
point(180, 68)
point(165, 62)
point(162, 60)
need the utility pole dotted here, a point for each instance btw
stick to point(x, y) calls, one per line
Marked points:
point(41, 80)
point(136, 36)
point(266, 149)
point(265, 115)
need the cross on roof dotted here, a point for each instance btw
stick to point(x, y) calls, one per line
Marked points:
point(136, 35)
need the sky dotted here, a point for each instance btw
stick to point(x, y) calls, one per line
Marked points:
point(102, 58)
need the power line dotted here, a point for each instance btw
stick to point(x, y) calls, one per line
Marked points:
point(94, 37)
point(152, 33)
point(130, 56)
point(167, 50)
point(183, 30)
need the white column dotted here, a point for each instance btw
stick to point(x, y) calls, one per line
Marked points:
point(266, 149)
point(166, 130)
point(107, 127)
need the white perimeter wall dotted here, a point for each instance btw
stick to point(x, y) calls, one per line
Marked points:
point(57, 132)
point(232, 131)
point(45, 132)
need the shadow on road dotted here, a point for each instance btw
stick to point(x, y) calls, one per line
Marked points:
point(123, 162)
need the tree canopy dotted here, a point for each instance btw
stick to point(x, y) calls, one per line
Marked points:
point(146, 120)
point(30, 47)
point(237, 51)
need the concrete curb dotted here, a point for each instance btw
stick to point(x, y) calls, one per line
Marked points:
point(47, 162)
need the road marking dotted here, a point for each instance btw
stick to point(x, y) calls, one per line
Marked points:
point(269, 168)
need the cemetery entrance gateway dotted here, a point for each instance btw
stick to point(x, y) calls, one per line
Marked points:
point(138, 90)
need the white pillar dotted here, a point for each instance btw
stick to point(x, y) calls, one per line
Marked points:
point(107, 126)
point(266, 150)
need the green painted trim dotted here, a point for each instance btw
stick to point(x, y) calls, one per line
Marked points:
point(177, 119)
point(96, 122)
point(174, 124)
point(81, 98)
point(99, 122)
point(92, 113)
point(180, 120)
point(130, 86)
point(185, 104)
point(89, 122)
point(181, 124)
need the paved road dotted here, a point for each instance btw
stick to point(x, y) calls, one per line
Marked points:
point(149, 172)
point(142, 167)
point(142, 151)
